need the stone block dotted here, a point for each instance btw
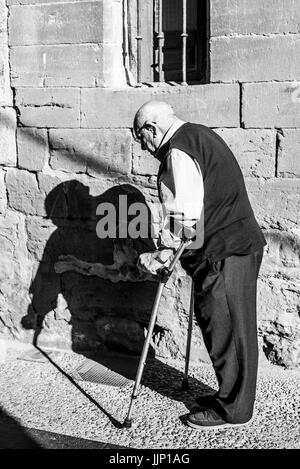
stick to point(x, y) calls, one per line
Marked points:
point(111, 108)
point(276, 202)
point(23, 191)
point(278, 324)
point(3, 22)
point(213, 105)
point(280, 345)
point(244, 58)
point(27, 192)
point(91, 151)
point(8, 154)
point(5, 90)
point(47, 107)
point(278, 299)
point(282, 254)
point(39, 230)
point(289, 154)
point(35, 2)
point(33, 150)
point(15, 272)
point(254, 150)
point(271, 105)
point(57, 65)
point(59, 23)
point(255, 17)
point(3, 200)
point(12, 243)
point(49, 205)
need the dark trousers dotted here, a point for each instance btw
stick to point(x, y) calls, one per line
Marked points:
point(225, 309)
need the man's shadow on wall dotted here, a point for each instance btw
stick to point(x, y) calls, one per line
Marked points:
point(103, 316)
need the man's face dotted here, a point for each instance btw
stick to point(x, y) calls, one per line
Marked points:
point(145, 136)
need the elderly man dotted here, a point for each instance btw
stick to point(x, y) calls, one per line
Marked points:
point(201, 185)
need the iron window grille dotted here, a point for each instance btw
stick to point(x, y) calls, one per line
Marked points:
point(166, 41)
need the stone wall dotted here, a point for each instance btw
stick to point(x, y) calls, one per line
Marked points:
point(66, 145)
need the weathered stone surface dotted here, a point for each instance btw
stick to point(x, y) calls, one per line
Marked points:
point(60, 65)
point(254, 150)
point(12, 237)
point(281, 343)
point(91, 151)
point(27, 191)
point(67, 44)
point(23, 192)
point(39, 231)
point(244, 58)
point(276, 202)
point(3, 22)
point(271, 105)
point(289, 154)
point(110, 108)
point(15, 272)
point(214, 105)
point(36, 2)
point(3, 199)
point(256, 17)
point(282, 254)
point(279, 320)
point(47, 183)
point(278, 299)
point(5, 90)
point(143, 162)
point(55, 107)
point(33, 150)
point(8, 154)
point(56, 23)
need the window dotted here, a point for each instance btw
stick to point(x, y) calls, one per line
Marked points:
point(166, 40)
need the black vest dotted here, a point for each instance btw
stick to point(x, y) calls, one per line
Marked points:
point(230, 227)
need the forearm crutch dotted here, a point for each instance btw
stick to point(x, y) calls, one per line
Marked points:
point(185, 381)
point(164, 277)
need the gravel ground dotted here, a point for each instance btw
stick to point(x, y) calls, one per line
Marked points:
point(41, 396)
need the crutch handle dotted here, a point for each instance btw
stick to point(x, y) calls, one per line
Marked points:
point(164, 273)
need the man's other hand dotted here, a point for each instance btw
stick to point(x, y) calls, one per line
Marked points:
point(152, 262)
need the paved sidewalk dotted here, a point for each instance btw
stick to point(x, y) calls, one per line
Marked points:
point(44, 398)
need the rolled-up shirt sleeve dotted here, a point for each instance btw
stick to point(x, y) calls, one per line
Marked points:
point(182, 195)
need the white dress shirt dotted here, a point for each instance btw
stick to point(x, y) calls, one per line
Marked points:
point(181, 191)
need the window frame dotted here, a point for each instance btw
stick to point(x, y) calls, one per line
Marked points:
point(149, 46)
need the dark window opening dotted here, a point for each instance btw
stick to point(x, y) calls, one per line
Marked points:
point(156, 31)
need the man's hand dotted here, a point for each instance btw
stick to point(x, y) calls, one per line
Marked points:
point(152, 262)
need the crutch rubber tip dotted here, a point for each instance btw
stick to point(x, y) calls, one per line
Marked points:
point(127, 423)
point(185, 384)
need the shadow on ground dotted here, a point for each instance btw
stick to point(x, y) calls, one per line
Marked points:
point(158, 376)
point(13, 435)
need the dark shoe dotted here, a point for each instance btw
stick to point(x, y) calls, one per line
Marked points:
point(206, 401)
point(209, 419)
